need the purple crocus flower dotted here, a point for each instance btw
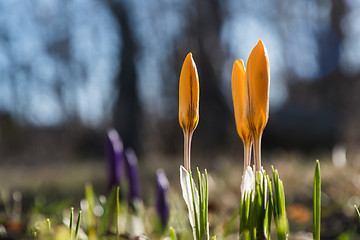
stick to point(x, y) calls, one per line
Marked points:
point(133, 175)
point(162, 189)
point(115, 157)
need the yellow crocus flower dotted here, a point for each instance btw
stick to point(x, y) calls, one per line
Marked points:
point(258, 78)
point(188, 104)
point(239, 88)
point(250, 90)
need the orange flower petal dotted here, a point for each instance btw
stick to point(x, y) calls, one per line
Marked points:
point(239, 90)
point(258, 77)
point(189, 95)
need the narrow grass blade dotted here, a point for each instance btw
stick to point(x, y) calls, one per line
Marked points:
point(108, 215)
point(197, 230)
point(206, 202)
point(172, 234)
point(270, 207)
point(276, 192)
point(90, 198)
point(77, 225)
point(357, 212)
point(201, 209)
point(117, 213)
point(267, 221)
point(281, 199)
point(48, 224)
point(245, 212)
point(71, 223)
point(281, 222)
point(317, 201)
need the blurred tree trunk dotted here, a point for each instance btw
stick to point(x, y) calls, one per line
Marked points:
point(127, 111)
point(215, 114)
point(332, 87)
point(345, 87)
point(201, 36)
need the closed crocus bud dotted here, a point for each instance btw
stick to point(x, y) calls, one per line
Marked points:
point(189, 95)
point(258, 75)
point(115, 158)
point(133, 175)
point(239, 88)
point(162, 205)
point(188, 104)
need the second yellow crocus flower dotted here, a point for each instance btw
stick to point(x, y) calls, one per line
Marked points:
point(250, 90)
point(188, 104)
point(240, 99)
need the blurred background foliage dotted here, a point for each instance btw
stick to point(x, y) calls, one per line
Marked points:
point(69, 70)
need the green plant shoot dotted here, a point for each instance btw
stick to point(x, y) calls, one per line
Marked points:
point(317, 201)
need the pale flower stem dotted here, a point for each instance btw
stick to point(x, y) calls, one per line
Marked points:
point(187, 147)
point(247, 154)
point(257, 152)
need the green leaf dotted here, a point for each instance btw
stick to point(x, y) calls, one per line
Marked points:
point(71, 223)
point(117, 212)
point(172, 234)
point(206, 197)
point(48, 224)
point(201, 209)
point(197, 230)
point(108, 215)
point(317, 201)
point(247, 210)
point(90, 198)
point(281, 222)
point(245, 235)
point(269, 209)
point(281, 199)
point(357, 212)
point(78, 225)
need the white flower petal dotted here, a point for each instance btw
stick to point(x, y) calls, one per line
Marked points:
point(248, 182)
point(187, 195)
